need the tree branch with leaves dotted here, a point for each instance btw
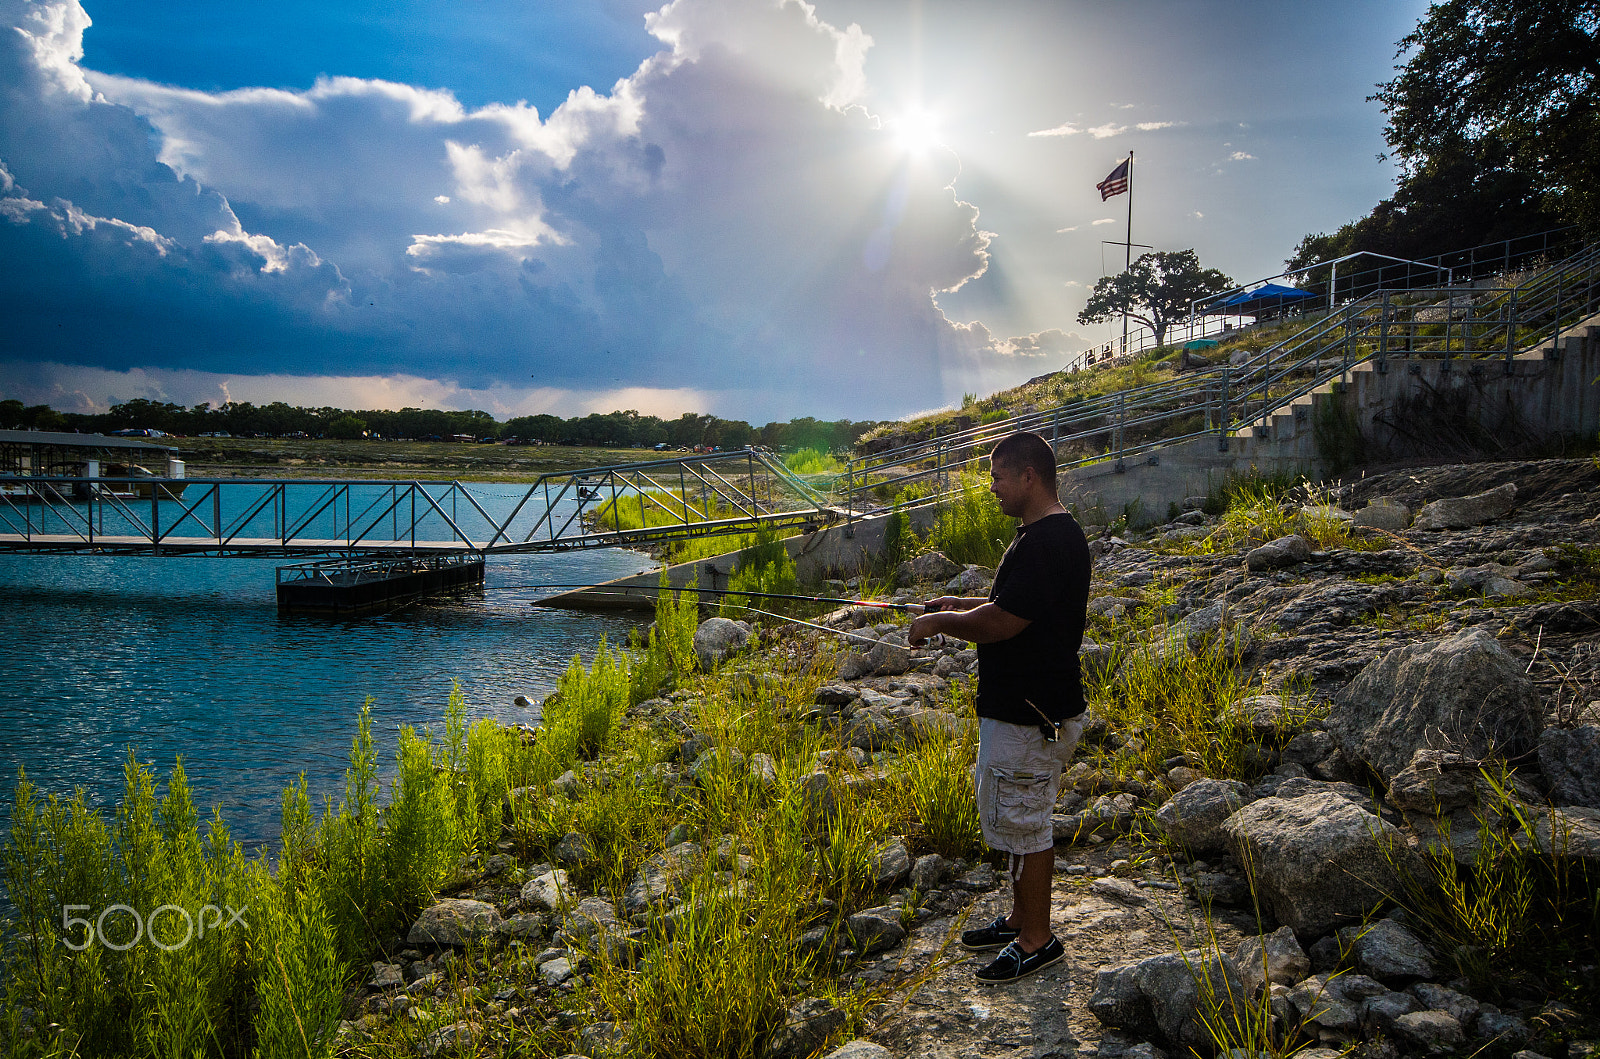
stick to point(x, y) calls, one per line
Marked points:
point(1156, 290)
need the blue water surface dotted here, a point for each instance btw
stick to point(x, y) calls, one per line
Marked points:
point(185, 655)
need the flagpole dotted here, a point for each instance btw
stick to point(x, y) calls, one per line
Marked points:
point(1128, 255)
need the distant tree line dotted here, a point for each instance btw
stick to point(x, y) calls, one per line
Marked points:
point(622, 428)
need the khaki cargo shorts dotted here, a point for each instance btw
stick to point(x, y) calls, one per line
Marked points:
point(1018, 777)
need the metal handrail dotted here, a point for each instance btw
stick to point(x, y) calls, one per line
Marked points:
point(1471, 322)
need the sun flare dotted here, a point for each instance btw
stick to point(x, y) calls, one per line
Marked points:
point(917, 131)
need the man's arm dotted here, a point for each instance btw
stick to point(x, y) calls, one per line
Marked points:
point(986, 623)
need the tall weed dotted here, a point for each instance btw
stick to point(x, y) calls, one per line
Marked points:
point(970, 527)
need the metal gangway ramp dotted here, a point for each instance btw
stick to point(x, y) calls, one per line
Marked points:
point(624, 504)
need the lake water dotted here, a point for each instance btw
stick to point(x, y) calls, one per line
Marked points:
point(188, 656)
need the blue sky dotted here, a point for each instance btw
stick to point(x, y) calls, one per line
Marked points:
point(756, 208)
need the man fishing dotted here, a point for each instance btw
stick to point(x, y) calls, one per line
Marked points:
point(1030, 694)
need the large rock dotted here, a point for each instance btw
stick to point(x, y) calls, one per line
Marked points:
point(1570, 761)
point(1271, 959)
point(925, 568)
point(1383, 513)
point(876, 929)
point(806, 1026)
point(1463, 511)
point(658, 879)
point(886, 659)
point(1436, 782)
point(454, 921)
point(860, 1050)
point(549, 892)
point(1319, 861)
point(717, 638)
point(594, 917)
point(1388, 951)
point(1193, 817)
point(891, 862)
point(1465, 694)
point(1278, 554)
point(1570, 832)
point(973, 581)
point(1169, 997)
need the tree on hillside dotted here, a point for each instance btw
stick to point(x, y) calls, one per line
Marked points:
point(1509, 78)
point(1456, 200)
point(1156, 290)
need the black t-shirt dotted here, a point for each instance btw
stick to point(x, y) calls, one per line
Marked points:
point(1044, 577)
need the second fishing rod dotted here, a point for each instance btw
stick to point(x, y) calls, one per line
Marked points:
point(624, 591)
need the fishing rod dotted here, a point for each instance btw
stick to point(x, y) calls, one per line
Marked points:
point(911, 608)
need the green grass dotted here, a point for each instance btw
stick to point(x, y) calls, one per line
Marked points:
point(1521, 919)
point(970, 527)
point(813, 461)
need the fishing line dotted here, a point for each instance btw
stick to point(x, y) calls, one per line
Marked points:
point(624, 590)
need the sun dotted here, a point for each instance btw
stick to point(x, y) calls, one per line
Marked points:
point(917, 131)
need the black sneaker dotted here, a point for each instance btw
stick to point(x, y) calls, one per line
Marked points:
point(1013, 963)
point(996, 935)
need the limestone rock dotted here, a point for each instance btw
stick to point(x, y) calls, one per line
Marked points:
point(762, 771)
point(886, 659)
point(549, 892)
point(386, 976)
point(891, 862)
point(1383, 513)
point(1433, 997)
point(1387, 951)
point(1463, 511)
point(1570, 760)
point(928, 872)
point(852, 666)
point(1433, 1032)
point(454, 921)
point(1278, 554)
point(932, 566)
point(1378, 1013)
point(717, 638)
point(1435, 782)
point(573, 850)
point(1193, 817)
point(1319, 861)
point(1464, 694)
point(1271, 959)
point(876, 929)
point(658, 878)
point(872, 730)
point(593, 917)
point(806, 1026)
point(860, 1050)
point(973, 581)
point(447, 1039)
point(1161, 997)
point(526, 927)
point(1570, 832)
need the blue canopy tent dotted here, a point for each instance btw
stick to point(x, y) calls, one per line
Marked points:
point(1266, 299)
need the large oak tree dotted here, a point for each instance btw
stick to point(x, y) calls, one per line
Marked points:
point(1156, 290)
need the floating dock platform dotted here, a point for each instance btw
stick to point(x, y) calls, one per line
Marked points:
point(351, 588)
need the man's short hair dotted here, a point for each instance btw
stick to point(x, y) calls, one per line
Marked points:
point(1026, 449)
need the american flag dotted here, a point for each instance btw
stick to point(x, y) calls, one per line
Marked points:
point(1116, 183)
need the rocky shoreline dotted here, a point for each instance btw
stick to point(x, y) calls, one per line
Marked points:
point(1433, 681)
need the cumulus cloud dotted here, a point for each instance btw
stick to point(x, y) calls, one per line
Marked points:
point(1241, 156)
point(1073, 228)
point(1104, 220)
point(727, 219)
